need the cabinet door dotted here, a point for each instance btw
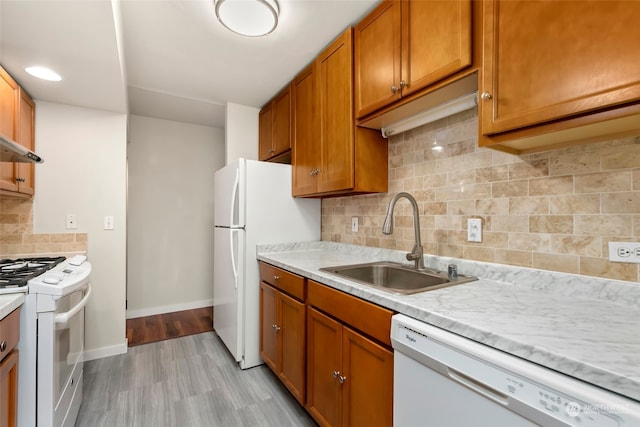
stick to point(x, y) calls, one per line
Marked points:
point(547, 60)
point(9, 390)
point(265, 134)
point(9, 98)
point(282, 122)
point(324, 349)
point(293, 337)
point(306, 134)
point(268, 321)
point(367, 398)
point(436, 41)
point(377, 51)
point(335, 79)
point(26, 137)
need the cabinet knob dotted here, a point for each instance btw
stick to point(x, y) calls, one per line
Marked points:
point(485, 95)
point(19, 179)
point(275, 328)
point(342, 379)
point(336, 374)
point(276, 277)
point(394, 89)
point(402, 83)
point(3, 345)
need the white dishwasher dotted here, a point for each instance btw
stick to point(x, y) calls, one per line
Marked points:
point(444, 380)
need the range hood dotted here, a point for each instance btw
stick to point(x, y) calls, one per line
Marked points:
point(442, 102)
point(11, 151)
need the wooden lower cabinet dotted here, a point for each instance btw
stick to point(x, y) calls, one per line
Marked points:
point(350, 377)
point(282, 338)
point(9, 334)
point(9, 390)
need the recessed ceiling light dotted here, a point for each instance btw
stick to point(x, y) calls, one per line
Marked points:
point(253, 18)
point(44, 73)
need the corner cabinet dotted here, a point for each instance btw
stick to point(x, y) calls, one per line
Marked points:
point(331, 155)
point(349, 358)
point(283, 327)
point(404, 46)
point(275, 128)
point(17, 122)
point(552, 68)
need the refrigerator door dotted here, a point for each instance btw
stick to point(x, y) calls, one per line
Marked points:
point(228, 289)
point(229, 196)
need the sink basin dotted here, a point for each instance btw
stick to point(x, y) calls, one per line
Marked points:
point(395, 277)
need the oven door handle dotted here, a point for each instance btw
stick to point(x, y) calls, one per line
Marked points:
point(64, 317)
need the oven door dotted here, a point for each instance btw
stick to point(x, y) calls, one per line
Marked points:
point(60, 360)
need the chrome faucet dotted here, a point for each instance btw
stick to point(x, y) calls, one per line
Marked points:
point(387, 227)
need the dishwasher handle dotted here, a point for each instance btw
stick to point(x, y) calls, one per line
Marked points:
point(477, 386)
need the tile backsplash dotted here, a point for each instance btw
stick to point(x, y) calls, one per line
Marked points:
point(16, 232)
point(556, 210)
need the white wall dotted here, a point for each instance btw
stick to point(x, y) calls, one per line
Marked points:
point(84, 173)
point(241, 128)
point(170, 208)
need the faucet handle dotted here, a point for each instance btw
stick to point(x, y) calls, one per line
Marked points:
point(452, 271)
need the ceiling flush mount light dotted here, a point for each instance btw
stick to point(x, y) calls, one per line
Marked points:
point(44, 73)
point(252, 18)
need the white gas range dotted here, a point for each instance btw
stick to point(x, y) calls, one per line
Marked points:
point(51, 341)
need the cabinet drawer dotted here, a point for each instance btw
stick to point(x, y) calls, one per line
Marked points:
point(9, 332)
point(288, 283)
point(364, 316)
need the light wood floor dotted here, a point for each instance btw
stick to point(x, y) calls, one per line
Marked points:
point(190, 381)
point(143, 330)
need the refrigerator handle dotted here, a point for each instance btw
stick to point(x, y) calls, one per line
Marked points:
point(233, 257)
point(234, 195)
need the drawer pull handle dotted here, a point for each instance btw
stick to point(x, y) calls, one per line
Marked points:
point(3, 345)
point(276, 277)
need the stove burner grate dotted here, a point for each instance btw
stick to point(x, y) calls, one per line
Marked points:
point(17, 272)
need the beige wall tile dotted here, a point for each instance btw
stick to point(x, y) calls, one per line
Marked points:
point(603, 182)
point(625, 202)
point(553, 210)
point(574, 204)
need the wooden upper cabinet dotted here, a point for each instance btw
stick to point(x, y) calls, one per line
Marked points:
point(331, 155)
point(377, 58)
point(9, 100)
point(306, 132)
point(550, 60)
point(405, 46)
point(26, 138)
point(275, 126)
point(265, 132)
point(335, 71)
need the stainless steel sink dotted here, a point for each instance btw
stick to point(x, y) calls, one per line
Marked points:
point(396, 278)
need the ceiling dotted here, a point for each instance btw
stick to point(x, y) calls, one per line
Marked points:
point(168, 59)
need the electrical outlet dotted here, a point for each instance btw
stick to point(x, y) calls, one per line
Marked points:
point(624, 252)
point(474, 230)
point(108, 222)
point(72, 222)
point(354, 224)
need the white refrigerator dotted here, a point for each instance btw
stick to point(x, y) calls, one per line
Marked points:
point(253, 205)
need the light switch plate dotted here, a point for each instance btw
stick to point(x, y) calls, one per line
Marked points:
point(108, 222)
point(71, 222)
point(474, 230)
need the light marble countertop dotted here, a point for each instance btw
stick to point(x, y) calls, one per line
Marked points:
point(585, 327)
point(9, 302)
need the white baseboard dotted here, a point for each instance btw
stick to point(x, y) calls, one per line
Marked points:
point(151, 311)
point(99, 353)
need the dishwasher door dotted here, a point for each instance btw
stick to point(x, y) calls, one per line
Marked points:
point(442, 379)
